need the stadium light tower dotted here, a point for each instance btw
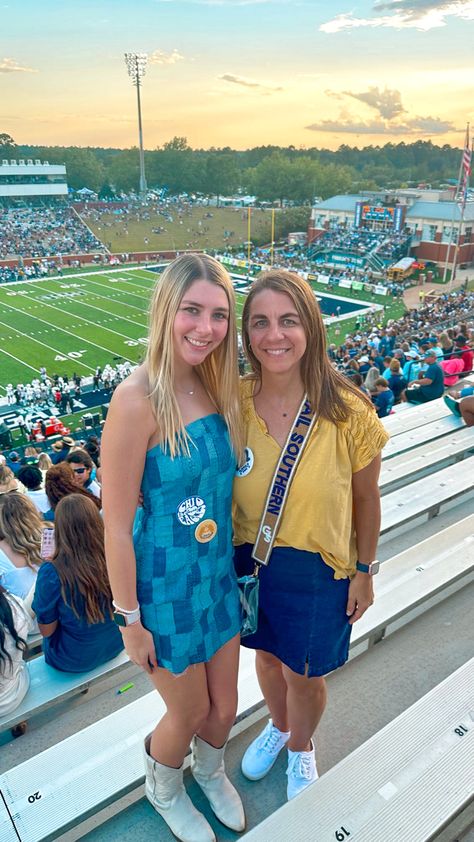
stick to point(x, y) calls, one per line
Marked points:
point(136, 64)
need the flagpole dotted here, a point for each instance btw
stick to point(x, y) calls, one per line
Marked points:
point(248, 235)
point(456, 198)
point(273, 236)
point(461, 195)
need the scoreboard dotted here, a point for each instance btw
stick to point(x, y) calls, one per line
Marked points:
point(387, 217)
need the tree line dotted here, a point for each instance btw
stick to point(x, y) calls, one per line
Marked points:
point(269, 172)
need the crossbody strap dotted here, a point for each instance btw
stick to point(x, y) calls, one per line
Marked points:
point(281, 481)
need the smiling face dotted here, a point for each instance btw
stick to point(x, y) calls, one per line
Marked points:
point(275, 331)
point(201, 322)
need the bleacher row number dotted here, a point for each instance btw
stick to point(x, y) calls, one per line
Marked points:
point(461, 730)
point(35, 796)
point(341, 834)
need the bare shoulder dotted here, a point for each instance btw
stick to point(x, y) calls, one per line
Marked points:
point(130, 403)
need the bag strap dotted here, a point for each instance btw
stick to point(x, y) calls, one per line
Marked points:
point(283, 476)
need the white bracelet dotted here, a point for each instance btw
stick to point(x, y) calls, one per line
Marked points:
point(125, 610)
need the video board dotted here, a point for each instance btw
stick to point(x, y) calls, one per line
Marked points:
point(389, 217)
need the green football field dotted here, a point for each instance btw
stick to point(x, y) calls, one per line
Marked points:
point(74, 323)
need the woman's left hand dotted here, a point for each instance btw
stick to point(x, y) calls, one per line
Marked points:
point(361, 596)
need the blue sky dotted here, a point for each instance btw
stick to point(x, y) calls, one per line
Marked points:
point(238, 73)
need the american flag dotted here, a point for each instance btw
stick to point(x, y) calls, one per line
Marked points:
point(465, 167)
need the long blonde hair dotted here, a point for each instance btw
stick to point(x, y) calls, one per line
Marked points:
point(324, 385)
point(218, 372)
point(21, 526)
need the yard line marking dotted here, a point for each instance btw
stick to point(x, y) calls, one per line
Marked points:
point(2, 350)
point(91, 292)
point(100, 309)
point(68, 332)
point(83, 318)
point(38, 341)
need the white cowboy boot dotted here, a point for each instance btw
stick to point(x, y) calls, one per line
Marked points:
point(207, 766)
point(165, 790)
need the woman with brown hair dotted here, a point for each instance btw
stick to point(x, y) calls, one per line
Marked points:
point(299, 410)
point(60, 481)
point(73, 601)
point(20, 543)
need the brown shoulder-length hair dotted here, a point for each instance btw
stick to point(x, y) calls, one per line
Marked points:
point(324, 385)
point(79, 558)
point(59, 482)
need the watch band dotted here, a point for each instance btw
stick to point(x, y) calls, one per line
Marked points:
point(128, 618)
point(371, 568)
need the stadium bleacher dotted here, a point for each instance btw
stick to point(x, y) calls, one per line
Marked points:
point(47, 794)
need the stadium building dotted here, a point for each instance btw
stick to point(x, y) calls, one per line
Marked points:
point(430, 217)
point(31, 180)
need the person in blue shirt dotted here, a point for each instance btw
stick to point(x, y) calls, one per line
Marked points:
point(430, 385)
point(383, 400)
point(73, 601)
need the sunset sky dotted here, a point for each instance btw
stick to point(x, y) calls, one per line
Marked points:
point(238, 73)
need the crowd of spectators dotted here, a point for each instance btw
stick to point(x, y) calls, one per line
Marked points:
point(43, 232)
point(362, 242)
point(54, 582)
point(64, 592)
point(414, 358)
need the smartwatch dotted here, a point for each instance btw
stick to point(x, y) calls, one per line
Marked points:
point(129, 618)
point(371, 568)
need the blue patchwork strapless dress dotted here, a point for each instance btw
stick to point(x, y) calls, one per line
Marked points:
point(186, 584)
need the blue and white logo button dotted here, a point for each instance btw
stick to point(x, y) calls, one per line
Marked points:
point(247, 465)
point(191, 511)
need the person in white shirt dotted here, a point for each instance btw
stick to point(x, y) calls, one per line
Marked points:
point(15, 625)
point(32, 479)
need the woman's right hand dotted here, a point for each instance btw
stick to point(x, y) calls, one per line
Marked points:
point(140, 646)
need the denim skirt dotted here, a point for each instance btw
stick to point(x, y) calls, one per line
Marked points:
point(302, 610)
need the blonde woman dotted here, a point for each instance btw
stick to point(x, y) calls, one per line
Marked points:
point(20, 543)
point(173, 432)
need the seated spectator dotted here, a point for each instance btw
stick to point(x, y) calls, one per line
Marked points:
point(32, 478)
point(13, 462)
point(430, 385)
point(452, 368)
point(60, 481)
point(373, 375)
point(466, 353)
point(20, 543)
point(467, 410)
point(83, 467)
point(446, 344)
point(15, 625)
point(61, 449)
point(386, 372)
point(44, 463)
point(396, 381)
point(364, 365)
point(8, 481)
point(412, 367)
point(73, 601)
point(358, 381)
point(383, 399)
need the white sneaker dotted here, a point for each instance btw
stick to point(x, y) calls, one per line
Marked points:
point(262, 753)
point(301, 771)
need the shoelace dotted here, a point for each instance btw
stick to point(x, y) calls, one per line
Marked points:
point(303, 768)
point(270, 742)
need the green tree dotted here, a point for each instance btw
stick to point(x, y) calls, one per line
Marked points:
point(271, 179)
point(222, 176)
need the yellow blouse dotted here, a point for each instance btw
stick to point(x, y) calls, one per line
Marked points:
point(318, 514)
